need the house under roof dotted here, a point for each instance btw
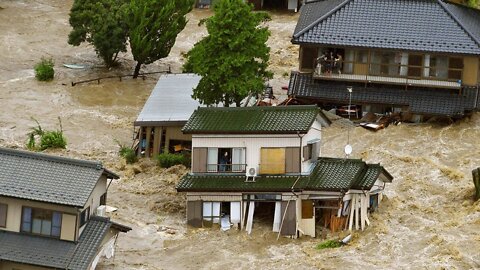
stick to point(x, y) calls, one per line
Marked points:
point(46, 178)
point(415, 25)
point(254, 120)
point(57, 254)
point(328, 174)
point(170, 102)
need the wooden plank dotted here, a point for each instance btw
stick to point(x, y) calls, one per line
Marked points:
point(148, 135)
point(157, 133)
point(199, 159)
point(292, 160)
point(352, 213)
point(307, 209)
point(272, 161)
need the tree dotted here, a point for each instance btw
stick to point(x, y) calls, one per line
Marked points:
point(154, 26)
point(100, 23)
point(233, 58)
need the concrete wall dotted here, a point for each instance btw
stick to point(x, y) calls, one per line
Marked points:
point(253, 143)
point(14, 211)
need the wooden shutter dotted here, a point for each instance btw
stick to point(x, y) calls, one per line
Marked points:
point(307, 209)
point(272, 161)
point(306, 152)
point(289, 226)
point(199, 159)
point(292, 159)
point(194, 213)
point(3, 215)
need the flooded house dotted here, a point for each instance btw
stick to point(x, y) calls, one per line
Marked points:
point(52, 212)
point(416, 56)
point(263, 164)
point(159, 124)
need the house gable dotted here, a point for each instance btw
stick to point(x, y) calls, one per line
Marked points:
point(415, 25)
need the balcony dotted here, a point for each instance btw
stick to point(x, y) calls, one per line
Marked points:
point(388, 80)
point(226, 168)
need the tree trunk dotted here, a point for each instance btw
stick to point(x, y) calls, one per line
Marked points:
point(137, 70)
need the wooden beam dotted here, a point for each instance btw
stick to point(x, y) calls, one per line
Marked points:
point(140, 138)
point(148, 135)
point(157, 133)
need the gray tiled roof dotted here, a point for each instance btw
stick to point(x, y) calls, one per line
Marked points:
point(418, 25)
point(421, 101)
point(329, 174)
point(54, 253)
point(47, 178)
point(170, 102)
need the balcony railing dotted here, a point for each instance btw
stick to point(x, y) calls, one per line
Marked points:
point(223, 168)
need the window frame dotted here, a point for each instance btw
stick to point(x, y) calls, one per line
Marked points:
point(83, 219)
point(30, 231)
point(6, 215)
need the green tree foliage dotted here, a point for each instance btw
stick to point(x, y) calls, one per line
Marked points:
point(100, 23)
point(233, 58)
point(153, 28)
point(473, 3)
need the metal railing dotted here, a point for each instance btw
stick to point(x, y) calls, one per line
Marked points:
point(222, 168)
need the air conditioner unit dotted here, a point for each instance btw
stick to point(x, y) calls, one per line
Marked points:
point(251, 173)
point(101, 211)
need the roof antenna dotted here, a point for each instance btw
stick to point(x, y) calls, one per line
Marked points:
point(348, 148)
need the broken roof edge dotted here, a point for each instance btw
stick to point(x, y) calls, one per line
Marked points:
point(165, 123)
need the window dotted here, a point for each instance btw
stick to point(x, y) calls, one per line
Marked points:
point(211, 212)
point(3, 215)
point(455, 68)
point(41, 222)
point(415, 63)
point(362, 57)
point(103, 199)
point(84, 216)
point(226, 160)
point(307, 152)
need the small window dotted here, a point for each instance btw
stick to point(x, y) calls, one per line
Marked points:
point(41, 222)
point(84, 216)
point(3, 215)
point(307, 151)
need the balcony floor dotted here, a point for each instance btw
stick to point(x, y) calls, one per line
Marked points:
point(388, 80)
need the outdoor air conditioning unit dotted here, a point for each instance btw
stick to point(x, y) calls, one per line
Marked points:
point(250, 174)
point(101, 211)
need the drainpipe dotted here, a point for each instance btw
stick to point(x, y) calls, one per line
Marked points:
point(300, 152)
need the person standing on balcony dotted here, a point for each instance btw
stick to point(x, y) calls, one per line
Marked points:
point(224, 162)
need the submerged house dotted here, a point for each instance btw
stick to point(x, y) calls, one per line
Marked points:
point(159, 124)
point(263, 163)
point(51, 212)
point(417, 56)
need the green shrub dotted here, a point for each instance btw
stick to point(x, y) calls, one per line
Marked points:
point(44, 70)
point(329, 244)
point(167, 160)
point(187, 159)
point(53, 139)
point(128, 154)
point(48, 138)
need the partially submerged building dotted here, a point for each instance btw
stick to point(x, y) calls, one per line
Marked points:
point(265, 161)
point(158, 126)
point(417, 56)
point(51, 212)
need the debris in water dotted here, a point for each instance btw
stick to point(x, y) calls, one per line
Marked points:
point(74, 66)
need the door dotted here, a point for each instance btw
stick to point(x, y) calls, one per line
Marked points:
point(194, 213)
point(289, 216)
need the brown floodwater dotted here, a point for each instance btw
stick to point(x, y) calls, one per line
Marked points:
point(428, 220)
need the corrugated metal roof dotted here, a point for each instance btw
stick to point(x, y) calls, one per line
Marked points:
point(416, 25)
point(55, 253)
point(48, 178)
point(170, 101)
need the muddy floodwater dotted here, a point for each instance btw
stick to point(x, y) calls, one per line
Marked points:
point(428, 219)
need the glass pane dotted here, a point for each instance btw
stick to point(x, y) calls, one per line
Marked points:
point(212, 159)
point(207, 209)
point(362, 57)
point(415, 60)
point(27, 214)
point(56, 231)
point(46, 227)
point(37, 226)
point(26, 226)
point(455, 62)
point(57, 219)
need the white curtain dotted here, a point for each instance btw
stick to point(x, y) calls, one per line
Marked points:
point(235, 213)
point(277, 216)
point(238, 158)
point(212, 159)
point(404, 63)
point(426, 64)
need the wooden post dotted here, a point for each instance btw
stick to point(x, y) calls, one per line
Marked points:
point(352, 209)
point(140, 138)
point(148, 136)
point(157, 133)
point(356, 212)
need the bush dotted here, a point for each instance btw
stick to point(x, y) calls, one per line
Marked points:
point(48, 138)
point(44, 70)
point(128, 154)
point(53, 139)
point(329, 244)
point(167, 160)
point(187, 159)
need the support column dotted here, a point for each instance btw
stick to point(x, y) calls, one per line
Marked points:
point(140, 138)
point(148, 135)
point(157, 133)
